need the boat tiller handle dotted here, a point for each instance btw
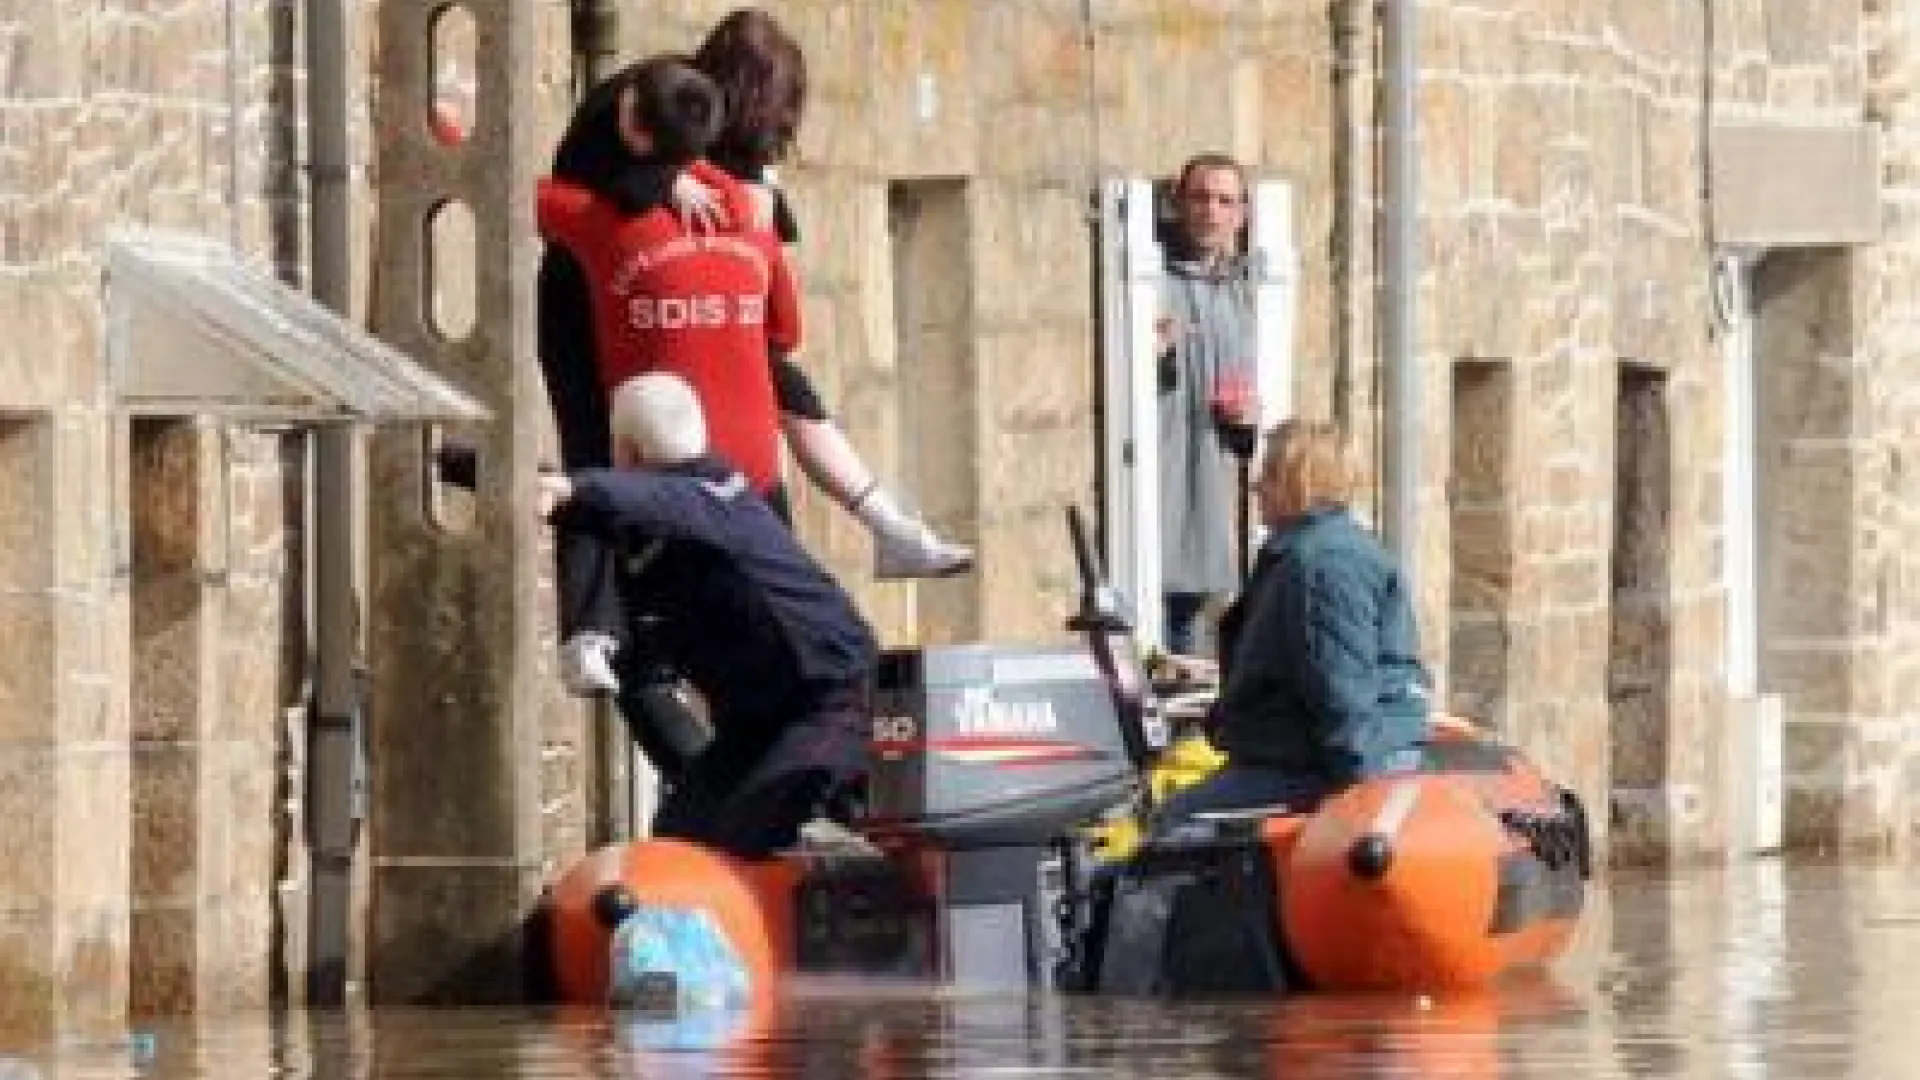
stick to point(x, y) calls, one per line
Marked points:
point(1110, 639)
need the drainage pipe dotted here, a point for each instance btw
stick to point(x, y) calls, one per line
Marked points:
point(335, 795)
point(1351, 26)
point(1400, 282)
point(596, 40)
point(617, 776)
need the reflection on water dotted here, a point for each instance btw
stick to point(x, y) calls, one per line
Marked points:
point(1757, 971)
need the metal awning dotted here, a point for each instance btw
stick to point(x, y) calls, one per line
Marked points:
point(195, 330)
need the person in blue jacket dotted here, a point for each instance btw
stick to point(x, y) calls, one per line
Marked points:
point(1321, 679)
point(774, 646)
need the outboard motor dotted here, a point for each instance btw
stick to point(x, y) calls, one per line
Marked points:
point(984, 745)
point(985, 760)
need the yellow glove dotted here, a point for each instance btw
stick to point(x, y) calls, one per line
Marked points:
point(1115, 841)
point(1188, 761)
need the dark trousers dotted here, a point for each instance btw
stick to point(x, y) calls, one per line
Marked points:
point(1243, 787)
point(1183, 620)
point(760, 779)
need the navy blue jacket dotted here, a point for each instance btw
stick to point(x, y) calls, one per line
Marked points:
point(1321, 657)
point(744, 613)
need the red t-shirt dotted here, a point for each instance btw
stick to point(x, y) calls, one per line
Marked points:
point(704, 306)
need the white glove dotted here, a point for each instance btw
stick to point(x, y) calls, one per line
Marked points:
point(586, 664)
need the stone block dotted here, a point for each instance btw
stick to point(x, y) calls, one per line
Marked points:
point(1797, 185)
point(26, 468)
point(920, 91)
point(1031, 596)
point(93, 710)
point(92, 539)
point(1028, 52)
point(1030, 256)
point(165, 960)
point(447, 813)
point(29, 998)
point(30, 676)
point(1815, 680)
point(255, 673)
point(1478, 654)
point(1034, 472)
point(1821, 584)
point(1577, 581)
point(1810, 32)
point(1049, 363)
point(836, 141)
point(166, 827)
point(239, 817)
point(91, 965)
point(1484, 321)
point(169, 668)
point(446, 921)
point(236, 951)
point(51, 56)
point(1447, 139)
point(1639, 720)
point(29, 793)
point(1482, 560)
point(1519, 115)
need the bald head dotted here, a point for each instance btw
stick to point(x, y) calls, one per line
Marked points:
point(656, 420)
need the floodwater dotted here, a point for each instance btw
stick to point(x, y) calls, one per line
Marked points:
point(1760, 970)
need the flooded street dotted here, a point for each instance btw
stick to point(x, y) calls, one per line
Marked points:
point(1762, 970)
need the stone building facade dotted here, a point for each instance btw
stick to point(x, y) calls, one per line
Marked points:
point(1633, 218)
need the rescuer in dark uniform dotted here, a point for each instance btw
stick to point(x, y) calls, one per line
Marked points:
point(767, 637)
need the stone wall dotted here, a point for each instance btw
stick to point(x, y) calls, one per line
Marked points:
point(1564, 243)
point(1869, 782)
point(1571, 360)
point(117, 113)
point(1564, 177)
point(215, 599)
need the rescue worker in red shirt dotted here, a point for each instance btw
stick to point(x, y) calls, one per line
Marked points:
point(762, 76)
point(709, 305)
point(705, 304)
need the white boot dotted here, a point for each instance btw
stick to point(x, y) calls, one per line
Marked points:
point(903, 546)
point(826, 836)
point(586, 664)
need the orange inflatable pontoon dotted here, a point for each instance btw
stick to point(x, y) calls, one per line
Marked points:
point(1439, 879)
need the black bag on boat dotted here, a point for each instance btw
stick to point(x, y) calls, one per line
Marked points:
point(1193, 918)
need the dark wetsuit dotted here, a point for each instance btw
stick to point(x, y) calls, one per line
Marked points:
point(772, 643)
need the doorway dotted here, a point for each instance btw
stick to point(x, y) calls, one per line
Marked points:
point(1640, 645)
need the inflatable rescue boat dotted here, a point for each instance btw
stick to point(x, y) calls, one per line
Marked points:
point(975, 864)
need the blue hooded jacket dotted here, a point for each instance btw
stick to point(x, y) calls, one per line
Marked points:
point(1322, 676)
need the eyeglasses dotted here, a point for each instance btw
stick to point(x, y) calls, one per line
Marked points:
point(1220, 197)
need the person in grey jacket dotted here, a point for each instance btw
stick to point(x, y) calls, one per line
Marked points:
point(1207, 404)
point(1322, 683)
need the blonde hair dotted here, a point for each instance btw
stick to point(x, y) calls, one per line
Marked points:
point(658, 415)
point(1313, 464)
